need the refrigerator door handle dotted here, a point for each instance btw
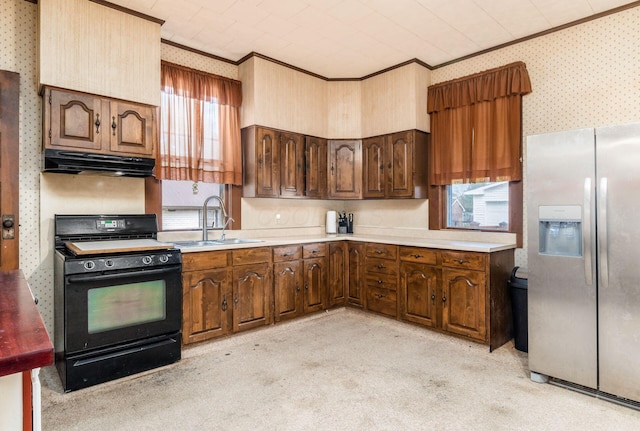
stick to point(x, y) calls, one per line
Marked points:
point(586, 233)
point(603, 240)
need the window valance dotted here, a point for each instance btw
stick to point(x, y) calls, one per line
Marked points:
point(508, 80)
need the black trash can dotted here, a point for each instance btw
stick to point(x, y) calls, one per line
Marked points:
point(518, 292)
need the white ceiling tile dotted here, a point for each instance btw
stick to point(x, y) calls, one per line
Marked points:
point(558, 12)
point(167, 9)
point(518, 18)
point(246, 12)
point(283, 8)
point(604, 5)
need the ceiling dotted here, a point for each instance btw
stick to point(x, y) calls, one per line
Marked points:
point(354, 38)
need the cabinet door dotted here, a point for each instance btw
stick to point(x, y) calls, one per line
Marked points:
point(315, 284)
point(267, 163)
point(337, 259)
point(291, 165)
point(74, 121)
point(373, 180)
point(356, 274)
point(251, 296)
point(463, 297)
point(399, 165)
point(287, 287)
point(418, 293)
point(206, 305)
point(345, 169)
point(130, 128)
point(316, 167)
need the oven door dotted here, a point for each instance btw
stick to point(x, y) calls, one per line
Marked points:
point(116, 307)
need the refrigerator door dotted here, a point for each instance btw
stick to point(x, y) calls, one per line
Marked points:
point(618, 159)
point(560, 179)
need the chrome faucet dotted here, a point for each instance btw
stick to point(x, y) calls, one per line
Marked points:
point(224, 216)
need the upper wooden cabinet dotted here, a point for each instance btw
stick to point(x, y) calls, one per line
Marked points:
point(274, 163)
point(345, 169)
point(85, 122)
point(395, 165)
point(315, 155)
point(89, 47)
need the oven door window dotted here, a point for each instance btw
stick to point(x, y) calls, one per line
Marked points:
point(123, 305)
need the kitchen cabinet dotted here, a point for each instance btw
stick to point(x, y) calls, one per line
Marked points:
point(206, 296)
point(458, 292)
point(419, 286)
point(395, 165)
point(337, 273)
point(345, 169)
point(315, 167)
point(288, 282)
point(355, 273)
point(315, 277)
point(381, 280)
point(274, 163)
point(85, 122)
point(252, 288)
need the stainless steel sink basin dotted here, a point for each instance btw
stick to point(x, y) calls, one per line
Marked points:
point(214, 242)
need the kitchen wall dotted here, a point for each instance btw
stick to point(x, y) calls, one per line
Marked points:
point(584, 76)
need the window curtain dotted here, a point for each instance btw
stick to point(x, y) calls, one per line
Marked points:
point(476, 126)
point(200, 127)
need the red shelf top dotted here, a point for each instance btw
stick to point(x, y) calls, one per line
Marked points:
point(24, 341)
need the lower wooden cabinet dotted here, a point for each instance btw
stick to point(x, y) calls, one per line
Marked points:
point(337, 274)
point(206, 296)
point(457, 292)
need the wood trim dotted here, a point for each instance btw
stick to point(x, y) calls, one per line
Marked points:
point(197, 51)
point(153, 198)
point(127, 11)
point(27, 401)
point(9, 164)
point(541, 33)
point(280, 63)
point(233, 198)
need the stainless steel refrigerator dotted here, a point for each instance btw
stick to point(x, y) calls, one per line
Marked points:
point(583, 218)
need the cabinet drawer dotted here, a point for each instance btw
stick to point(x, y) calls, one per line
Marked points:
point(204, 260)
point(382, 301)
point(381, 266)
point(463, 259)
point(382, 251)
point(385, 281)
point(286, 253)
point(314, 250)
point(251, 255)
point(419, 255)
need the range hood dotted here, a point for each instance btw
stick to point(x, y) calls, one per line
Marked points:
point(78, 162)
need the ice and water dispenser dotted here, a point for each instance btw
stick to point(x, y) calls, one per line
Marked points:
point(560, 230)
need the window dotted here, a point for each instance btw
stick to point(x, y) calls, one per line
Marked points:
point(182, 204)
point(483, 206)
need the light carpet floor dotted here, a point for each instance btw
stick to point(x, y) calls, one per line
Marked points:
point(340, 370)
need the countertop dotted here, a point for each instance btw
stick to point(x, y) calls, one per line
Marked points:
point(483, 247)
point(24, 342)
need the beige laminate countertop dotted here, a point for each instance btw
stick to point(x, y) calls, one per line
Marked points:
point(483, 247)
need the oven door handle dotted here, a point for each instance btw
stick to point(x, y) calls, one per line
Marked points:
point(89, 277)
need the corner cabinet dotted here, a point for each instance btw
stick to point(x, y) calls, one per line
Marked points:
point(315, 155)
point(395, 165)
point(85, 122)
point(344, 169)
point(274, 163)
point(337, 273)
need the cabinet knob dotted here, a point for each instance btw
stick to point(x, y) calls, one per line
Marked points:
point(380, 266)
point(380, 282)
point(462, 261)
point(433, 297)
point(97, 123)
point(224, 304)
point(417, 256)
point(114, 125)
point(444, 299)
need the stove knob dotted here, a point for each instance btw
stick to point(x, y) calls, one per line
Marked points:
point(108, 263)
point(164, 258)
point(147, 260)
point(89, 265)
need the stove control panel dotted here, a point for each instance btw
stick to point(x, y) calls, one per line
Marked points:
point(90, 264)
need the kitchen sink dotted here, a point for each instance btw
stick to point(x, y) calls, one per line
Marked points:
point(214, 242)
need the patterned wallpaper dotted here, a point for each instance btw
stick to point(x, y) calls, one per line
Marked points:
point(583, 76)
point(196, 61)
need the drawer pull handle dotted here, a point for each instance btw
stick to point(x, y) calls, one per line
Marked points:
point(224, 303)
point(379, 251)
point(380, 266)
point(380, 282)
point(417, 256)
point(314, 251)
point(462, 261)
point(97, 123)
point(380, 296)
point(114, 125)
point(286, 254)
